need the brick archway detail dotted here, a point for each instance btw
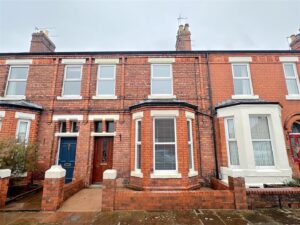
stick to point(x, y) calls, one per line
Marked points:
point(290, 120)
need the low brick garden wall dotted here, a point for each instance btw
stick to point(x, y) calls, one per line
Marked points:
point(273, 197)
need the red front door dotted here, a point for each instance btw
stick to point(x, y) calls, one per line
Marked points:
point(103, 154)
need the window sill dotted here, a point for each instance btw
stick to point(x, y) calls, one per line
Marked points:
point(103, 134)
point(69, 97)
point(174, 175)
point(245, 97)
point(193, 173)
point(15, 97)
point(136, 174)
point(105, 97)
point(161, 96)
point(67, 134)
point(292, 97)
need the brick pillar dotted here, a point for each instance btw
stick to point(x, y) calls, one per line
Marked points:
point(109, 190)
point(4, 180)
point(237, 185)
point(53, 188)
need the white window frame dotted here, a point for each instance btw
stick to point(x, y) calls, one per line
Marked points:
point(27, 131)
point(16, 80)
point(113, 96)
point(66, 80)
point(230, 139)
point(166, 143)
point(137, 143)
point(251, 95)
point(1, 122)
point(191, 144)
point(271, 141)
point(290, 78)
point(162, 78)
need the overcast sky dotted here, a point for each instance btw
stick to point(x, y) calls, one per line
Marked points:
point(98, 25)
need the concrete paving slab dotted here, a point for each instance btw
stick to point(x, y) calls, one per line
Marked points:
point(86, 200)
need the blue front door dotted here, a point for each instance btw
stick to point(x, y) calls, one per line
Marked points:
point(67, 153)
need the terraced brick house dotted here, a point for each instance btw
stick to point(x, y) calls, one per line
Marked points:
point(165, 120)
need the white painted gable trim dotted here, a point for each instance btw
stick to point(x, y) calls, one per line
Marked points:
point(67, 117)
point(104, 117)
point(107, 61)
point(73, 61)
point(161, 60)
point(289, 59)
point(240, 59)
point(26, 116)
point(18, 61)
point(164, 113)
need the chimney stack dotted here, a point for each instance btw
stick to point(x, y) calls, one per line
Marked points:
point(295, 42)
point(183, 41)
point(40, 42)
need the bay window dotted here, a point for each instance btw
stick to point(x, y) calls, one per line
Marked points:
point(22, 134)
point(261, 140)
point(165, 144)
point(138, 145)
point(231, 143)
point(17, 79)
point(72, 80)
point(190, 144)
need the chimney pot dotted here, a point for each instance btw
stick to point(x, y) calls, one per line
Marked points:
point(295, 42)
point(183, 41)
point(40, 42)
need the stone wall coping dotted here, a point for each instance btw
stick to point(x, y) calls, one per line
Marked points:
point(56, 171)
point(288, 190)
point(5, 173)
point(110, 174)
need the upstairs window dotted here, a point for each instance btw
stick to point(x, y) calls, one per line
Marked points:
point(165, 144)
point(106, 80)
point(291, 79)
point(241, 79)
point(231, 142)
point(161, 79)
point(72, 81)
point(261, 141)
point(17, 79)
point(23, 131)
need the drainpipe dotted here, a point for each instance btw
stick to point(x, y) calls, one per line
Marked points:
point(212, 114)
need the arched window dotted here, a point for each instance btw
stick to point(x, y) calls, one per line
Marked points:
point(296, 127)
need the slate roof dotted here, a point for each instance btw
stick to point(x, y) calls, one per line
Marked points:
point(21, 104)
point(233, 102)
point(162, 102)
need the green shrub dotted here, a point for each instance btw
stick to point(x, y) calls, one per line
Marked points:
point(295, 182)
point(19, 157)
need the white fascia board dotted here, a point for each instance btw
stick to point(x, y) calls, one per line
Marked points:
point(161, 60)
point(240, 59)
point(104, 117)
point(190, 115)
point(18, 61)
point(2, 113)
point(73, 61)
point(164, 113)
point(137, 115)
point(67, 117)
point(25, 116)
point(107, 61)
point(289, 59)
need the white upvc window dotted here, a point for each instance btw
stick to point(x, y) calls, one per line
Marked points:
point(106, 80)
point(261, 141)
point(1, 123)
point(291, 79)
point(23, 129)
point(190, 145)
point(161, 80)
point(231, 143)
point(17, 79)
point(165, 149)
point(72, 81)
point(242, 79)
point(138, 144)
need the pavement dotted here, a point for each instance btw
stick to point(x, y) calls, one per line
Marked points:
point(187, 217)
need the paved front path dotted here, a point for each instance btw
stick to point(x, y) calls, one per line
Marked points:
point(86, 200)
point(190, 217)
